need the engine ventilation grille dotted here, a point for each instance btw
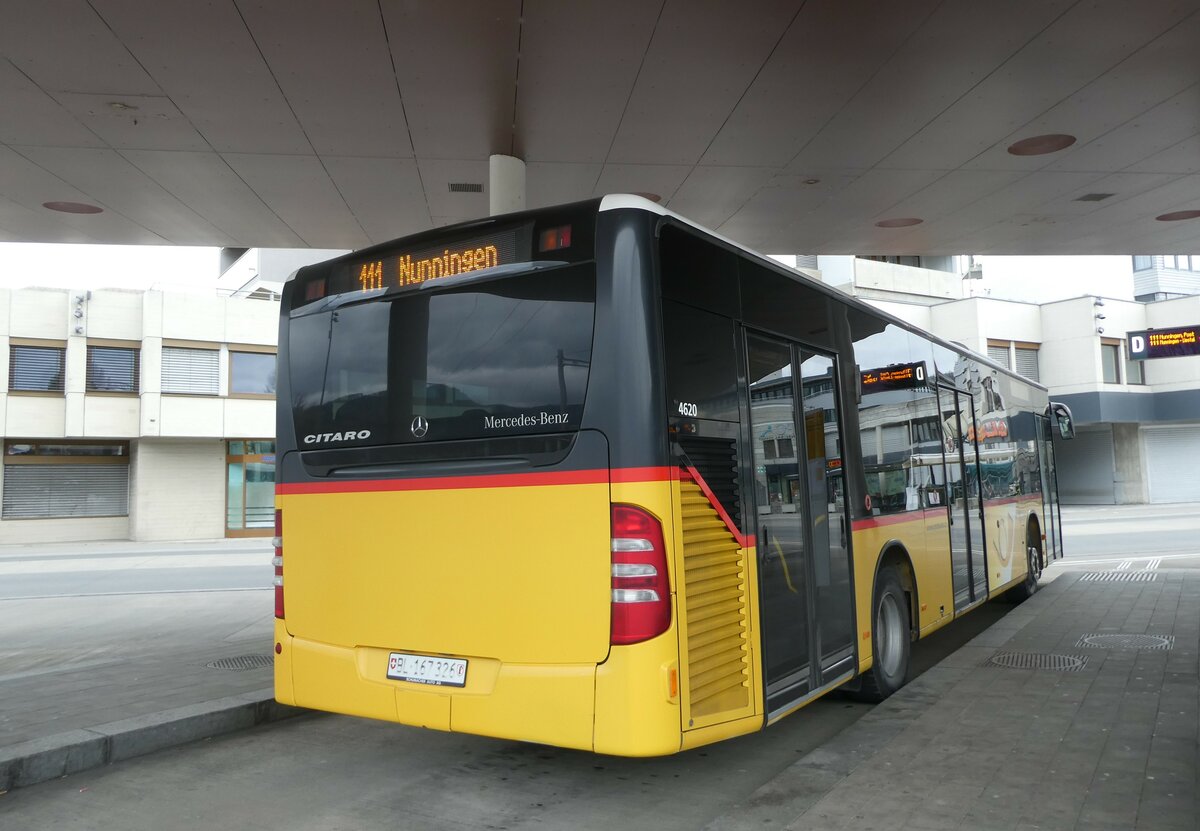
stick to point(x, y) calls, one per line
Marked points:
point(716, 614)
point(466, 187)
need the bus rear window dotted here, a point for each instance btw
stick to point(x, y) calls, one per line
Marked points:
point(504, 357)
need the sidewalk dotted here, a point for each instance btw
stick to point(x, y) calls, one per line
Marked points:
point(88, 680)
point(1107, 742)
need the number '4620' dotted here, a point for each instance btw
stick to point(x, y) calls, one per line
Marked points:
point(687, 410)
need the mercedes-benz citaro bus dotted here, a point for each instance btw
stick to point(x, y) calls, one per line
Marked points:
point(594, 477)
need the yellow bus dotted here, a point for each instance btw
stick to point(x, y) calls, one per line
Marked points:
point(594, 477)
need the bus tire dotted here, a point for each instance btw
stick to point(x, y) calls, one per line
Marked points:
point(891, 638)
point(1033, 566)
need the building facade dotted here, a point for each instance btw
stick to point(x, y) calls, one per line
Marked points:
point(135, 415)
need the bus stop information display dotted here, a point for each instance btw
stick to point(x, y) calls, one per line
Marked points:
point(1164, 343)
point(895, 377)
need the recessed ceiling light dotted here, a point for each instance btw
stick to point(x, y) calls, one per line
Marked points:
point(812, 181)
point(121, 106)
point(653, 197)
point(1175, 216)
point(1041, 145)
point(902, 222)
point(72, 207)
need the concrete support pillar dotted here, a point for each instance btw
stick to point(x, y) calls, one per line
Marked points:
point(506, 184)
point(1129, 480)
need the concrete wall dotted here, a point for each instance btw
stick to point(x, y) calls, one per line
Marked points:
point(1129, 466)
point(177, 490)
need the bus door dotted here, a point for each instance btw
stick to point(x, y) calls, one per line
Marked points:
point(802, 540)
point(1053, 530)
point(967, 552)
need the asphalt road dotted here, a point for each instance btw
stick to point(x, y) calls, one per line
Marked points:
point(114, 569)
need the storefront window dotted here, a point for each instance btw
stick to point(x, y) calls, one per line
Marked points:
point(250, 488)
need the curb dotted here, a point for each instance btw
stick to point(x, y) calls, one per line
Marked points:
point(40, 760)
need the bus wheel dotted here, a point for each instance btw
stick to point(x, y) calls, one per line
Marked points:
point(1033, 573)
point(891, 638)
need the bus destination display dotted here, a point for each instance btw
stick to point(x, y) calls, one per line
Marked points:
point(409, 269)
point(1164, 343)
point(895, 377)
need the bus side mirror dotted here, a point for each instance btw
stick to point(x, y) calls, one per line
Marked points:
point(1061, 414)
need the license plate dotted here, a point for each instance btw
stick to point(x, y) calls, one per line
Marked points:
point(426, 669)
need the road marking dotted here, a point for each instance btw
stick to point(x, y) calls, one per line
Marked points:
point(122, 594)
point(1125, 564)
point(1106, 561)
point(1153, 564)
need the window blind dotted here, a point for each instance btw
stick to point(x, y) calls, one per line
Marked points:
point(112, 369)
point(190, 371)
point(999, 354)
point(45, 491)
point(36, 368)
point(1027, 363)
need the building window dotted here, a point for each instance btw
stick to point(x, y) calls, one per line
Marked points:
point(1110, 361)
point(190, 371)
point(998, 352)
point(251, 373)
point(1027, 363)
point(36, 368)
point(1143, 263)
point(1133, 372)
point(63, 479)
point(1026, 354)
point(112, 369)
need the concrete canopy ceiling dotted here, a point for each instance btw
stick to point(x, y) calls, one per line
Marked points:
point(789, 126)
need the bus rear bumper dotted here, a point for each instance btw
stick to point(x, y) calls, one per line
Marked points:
point(536, 703)
point(284, 692)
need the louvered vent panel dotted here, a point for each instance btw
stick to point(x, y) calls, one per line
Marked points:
point(717, 611)
point(716, 461)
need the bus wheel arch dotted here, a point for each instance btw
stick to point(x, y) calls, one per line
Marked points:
point(1035, 561)
point(893, 603)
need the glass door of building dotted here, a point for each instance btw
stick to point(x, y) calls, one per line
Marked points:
point(249, 488)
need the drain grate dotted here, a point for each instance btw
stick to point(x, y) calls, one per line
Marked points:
point(1127, 641)
point(1037, 660)
point(1119, 577)
point(242, 662)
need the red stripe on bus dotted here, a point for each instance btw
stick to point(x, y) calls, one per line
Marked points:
point(889, 519)
point(695, 476)
point(640, 474)
point(504, 480)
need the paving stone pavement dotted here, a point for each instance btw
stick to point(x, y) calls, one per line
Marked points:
point(970, 745)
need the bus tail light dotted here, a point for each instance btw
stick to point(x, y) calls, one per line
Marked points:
point(641, 593)
point(277, 561)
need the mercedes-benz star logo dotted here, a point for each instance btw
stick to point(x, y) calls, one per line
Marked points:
point(420, 426)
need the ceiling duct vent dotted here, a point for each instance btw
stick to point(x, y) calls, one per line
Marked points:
point(1094, 197)
point(466, 187)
